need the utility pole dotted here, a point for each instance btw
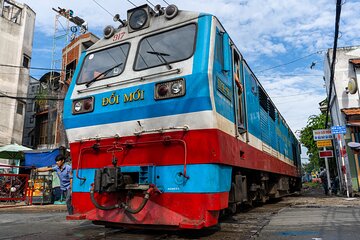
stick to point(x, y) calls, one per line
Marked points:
point(327, 172)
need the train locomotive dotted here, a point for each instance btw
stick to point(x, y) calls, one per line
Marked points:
point(169, 127)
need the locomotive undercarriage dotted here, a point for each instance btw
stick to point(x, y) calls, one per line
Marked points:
point(250, 186)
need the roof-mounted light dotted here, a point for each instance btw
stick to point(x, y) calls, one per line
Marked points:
point(109, 31)
point(171, 11)
point(138, 18)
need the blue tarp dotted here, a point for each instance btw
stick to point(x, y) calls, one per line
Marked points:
point(41, 158)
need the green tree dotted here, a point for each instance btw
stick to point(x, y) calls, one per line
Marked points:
point(306, 138)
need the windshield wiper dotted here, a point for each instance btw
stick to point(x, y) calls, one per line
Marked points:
point(104, 73)
point(161, 55)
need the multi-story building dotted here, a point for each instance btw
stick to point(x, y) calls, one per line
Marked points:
point(345, 108)
point(49, 130)
point(30, 113)
point(17, 23)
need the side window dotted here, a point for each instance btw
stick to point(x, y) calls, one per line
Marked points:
point(10, 11)
point(26, 61)
point(219, 52)
point(239, 90)
point(20, 108)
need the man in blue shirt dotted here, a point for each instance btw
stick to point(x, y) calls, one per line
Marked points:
point(64, 173)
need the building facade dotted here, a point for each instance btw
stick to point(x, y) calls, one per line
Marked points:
point(29, 133)
point(17, 23)
point(345, 109)
point(49, 129)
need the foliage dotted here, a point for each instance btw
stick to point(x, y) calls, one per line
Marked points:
point(311, 185)
point(309, 167)
point(306, 138)
point(40, 99)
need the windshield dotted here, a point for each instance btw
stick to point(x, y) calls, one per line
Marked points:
point(166, 47)
point(104, 64)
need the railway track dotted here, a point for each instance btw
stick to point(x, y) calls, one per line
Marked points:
point(46, 222)
point(244, 225)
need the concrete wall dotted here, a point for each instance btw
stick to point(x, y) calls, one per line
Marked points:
point(342, 99)
point(16, 39)
point(343, 72)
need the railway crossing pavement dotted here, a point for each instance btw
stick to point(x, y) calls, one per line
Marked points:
point(309, 215)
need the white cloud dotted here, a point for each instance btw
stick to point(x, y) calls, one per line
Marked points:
point(267, 32)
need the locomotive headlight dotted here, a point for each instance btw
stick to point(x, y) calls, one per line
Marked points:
point(138, 19)
point(83, 105)
point(77, 106)
point(170, 89)
point(176, 87)
point(163, 90)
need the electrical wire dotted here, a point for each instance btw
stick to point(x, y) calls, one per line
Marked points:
point(293, 95)
point(166, 2)
point(295, 60)
point(131, 3)
point(112, 15)
point(20, 74)
point(33, 98)
point(332, 67)
point(35, 68)
point(150, 3)
point(289, 75)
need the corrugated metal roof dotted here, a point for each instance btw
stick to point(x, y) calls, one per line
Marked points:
point(351, 111)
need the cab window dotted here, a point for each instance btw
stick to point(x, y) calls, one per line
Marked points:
point(166, 47)
point(103, 64)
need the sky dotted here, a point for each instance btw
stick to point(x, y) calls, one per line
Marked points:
point(280, 40)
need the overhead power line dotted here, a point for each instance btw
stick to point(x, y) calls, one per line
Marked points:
point(132, 3)
point(35, 68)
point(150, 3)
point(33, 98)
point(290, 75)
point(332, 68)
point(295, 60)
point(293, 95)
point(103, 8)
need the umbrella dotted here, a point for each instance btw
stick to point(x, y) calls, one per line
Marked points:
point(12, 151)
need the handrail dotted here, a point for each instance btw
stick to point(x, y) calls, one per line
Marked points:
point(137, 79)
point(129, 143)
point(114, 146)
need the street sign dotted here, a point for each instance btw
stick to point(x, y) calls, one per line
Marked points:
point(338, 130)
point(325, 154)
point(323, 143)
point(322, 134)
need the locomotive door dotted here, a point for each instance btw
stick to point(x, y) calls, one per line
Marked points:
point(239, 96)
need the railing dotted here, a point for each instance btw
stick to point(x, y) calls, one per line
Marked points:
point(13, 187)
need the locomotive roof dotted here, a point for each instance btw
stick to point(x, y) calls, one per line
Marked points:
point(156, 23)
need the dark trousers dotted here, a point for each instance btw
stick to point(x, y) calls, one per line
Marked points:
point(325, 186)
point(67, 195)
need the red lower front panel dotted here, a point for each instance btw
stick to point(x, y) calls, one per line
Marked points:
point(173, 210)
point(202, 146)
